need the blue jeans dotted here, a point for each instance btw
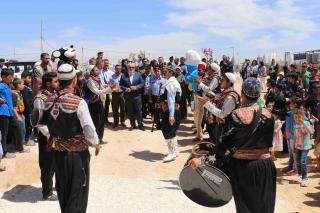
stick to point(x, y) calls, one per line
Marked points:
point(291, 156)
point(22, 127)
point(301, 161)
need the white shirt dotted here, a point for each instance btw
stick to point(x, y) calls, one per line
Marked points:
point(131, 77)
point(105, 76)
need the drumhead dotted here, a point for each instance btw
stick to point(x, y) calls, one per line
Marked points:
point(206, 186)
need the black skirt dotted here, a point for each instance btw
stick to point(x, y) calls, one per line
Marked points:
point(254, 185)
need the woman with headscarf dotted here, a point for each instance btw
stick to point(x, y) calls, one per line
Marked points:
point(251, 169)
point(95, 104)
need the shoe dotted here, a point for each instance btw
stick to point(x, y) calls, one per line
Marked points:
point(132, 128)
point(169, 157)
point(171, 154)
point(115, 126)
point(123, 124)
point(103, 142)
point(141, 128)
point(2, 168)
point(51, 197)
point(291, 173)
point(108, 122)
point(24, 150)
point(175, 146)
point(9, 155)
point(30, 143)
point(304, 182)
point(299, 179)
point(285, 170)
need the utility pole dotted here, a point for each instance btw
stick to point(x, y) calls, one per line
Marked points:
point(41, 38)
point(82, 55)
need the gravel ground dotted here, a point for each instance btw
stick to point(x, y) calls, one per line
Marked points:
point(110, 194)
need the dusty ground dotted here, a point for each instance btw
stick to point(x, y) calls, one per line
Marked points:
point(129, 176)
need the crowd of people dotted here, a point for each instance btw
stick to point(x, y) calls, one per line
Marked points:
point(163, 91)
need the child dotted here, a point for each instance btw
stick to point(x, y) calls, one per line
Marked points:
point(18, 123)
point(27, 101)
point(281, 80)
point(301, 139)
point(277, 143)
point(6, 109)
point(294, 103)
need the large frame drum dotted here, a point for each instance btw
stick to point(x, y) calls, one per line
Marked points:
point(206, 185)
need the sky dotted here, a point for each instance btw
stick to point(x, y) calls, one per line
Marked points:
point(243, 28)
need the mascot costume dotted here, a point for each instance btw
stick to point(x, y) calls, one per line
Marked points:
point(194, 64)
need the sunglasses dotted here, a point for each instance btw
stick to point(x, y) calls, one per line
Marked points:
point(131, 67)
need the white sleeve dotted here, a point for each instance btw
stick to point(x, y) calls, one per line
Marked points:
point(228, 105)
point(86, 122)
point(213, 84)
point(93, 88)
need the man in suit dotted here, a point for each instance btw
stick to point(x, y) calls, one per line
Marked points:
point(132, 84)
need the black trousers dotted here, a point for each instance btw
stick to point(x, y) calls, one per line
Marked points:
point(4, 126)
point(146, 107)
point(211, 130)
point(15, 134)
point(72, 171)
point(46, 164)
point(253, 185)
point(117, 104)
point(156, 112)
point(188, 94)
point(183, 103)
point(28, 126)
point(106, 107)
point(98, 117)
point(168, 130)
point(133, 105)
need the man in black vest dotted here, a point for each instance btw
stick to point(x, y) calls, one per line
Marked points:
point(71, 133)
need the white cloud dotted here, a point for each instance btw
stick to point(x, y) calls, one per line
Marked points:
point(242, 20)
point(154, 45)
point(70, 33)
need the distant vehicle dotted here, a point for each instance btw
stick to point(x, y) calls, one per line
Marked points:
point(19, 67)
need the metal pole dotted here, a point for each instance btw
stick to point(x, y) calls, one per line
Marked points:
point(82, 55)
point(41, 38)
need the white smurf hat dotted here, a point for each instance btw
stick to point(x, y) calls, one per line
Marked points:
point(193, 58)
point(231, 77)
point(215, 67)
point(66, 72)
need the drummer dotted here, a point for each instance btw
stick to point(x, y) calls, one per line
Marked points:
point(252, 171)
point(222, 104)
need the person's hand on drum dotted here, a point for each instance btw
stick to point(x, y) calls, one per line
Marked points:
point(195, 163)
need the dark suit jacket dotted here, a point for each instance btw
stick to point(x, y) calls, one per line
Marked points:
point(137, 81)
